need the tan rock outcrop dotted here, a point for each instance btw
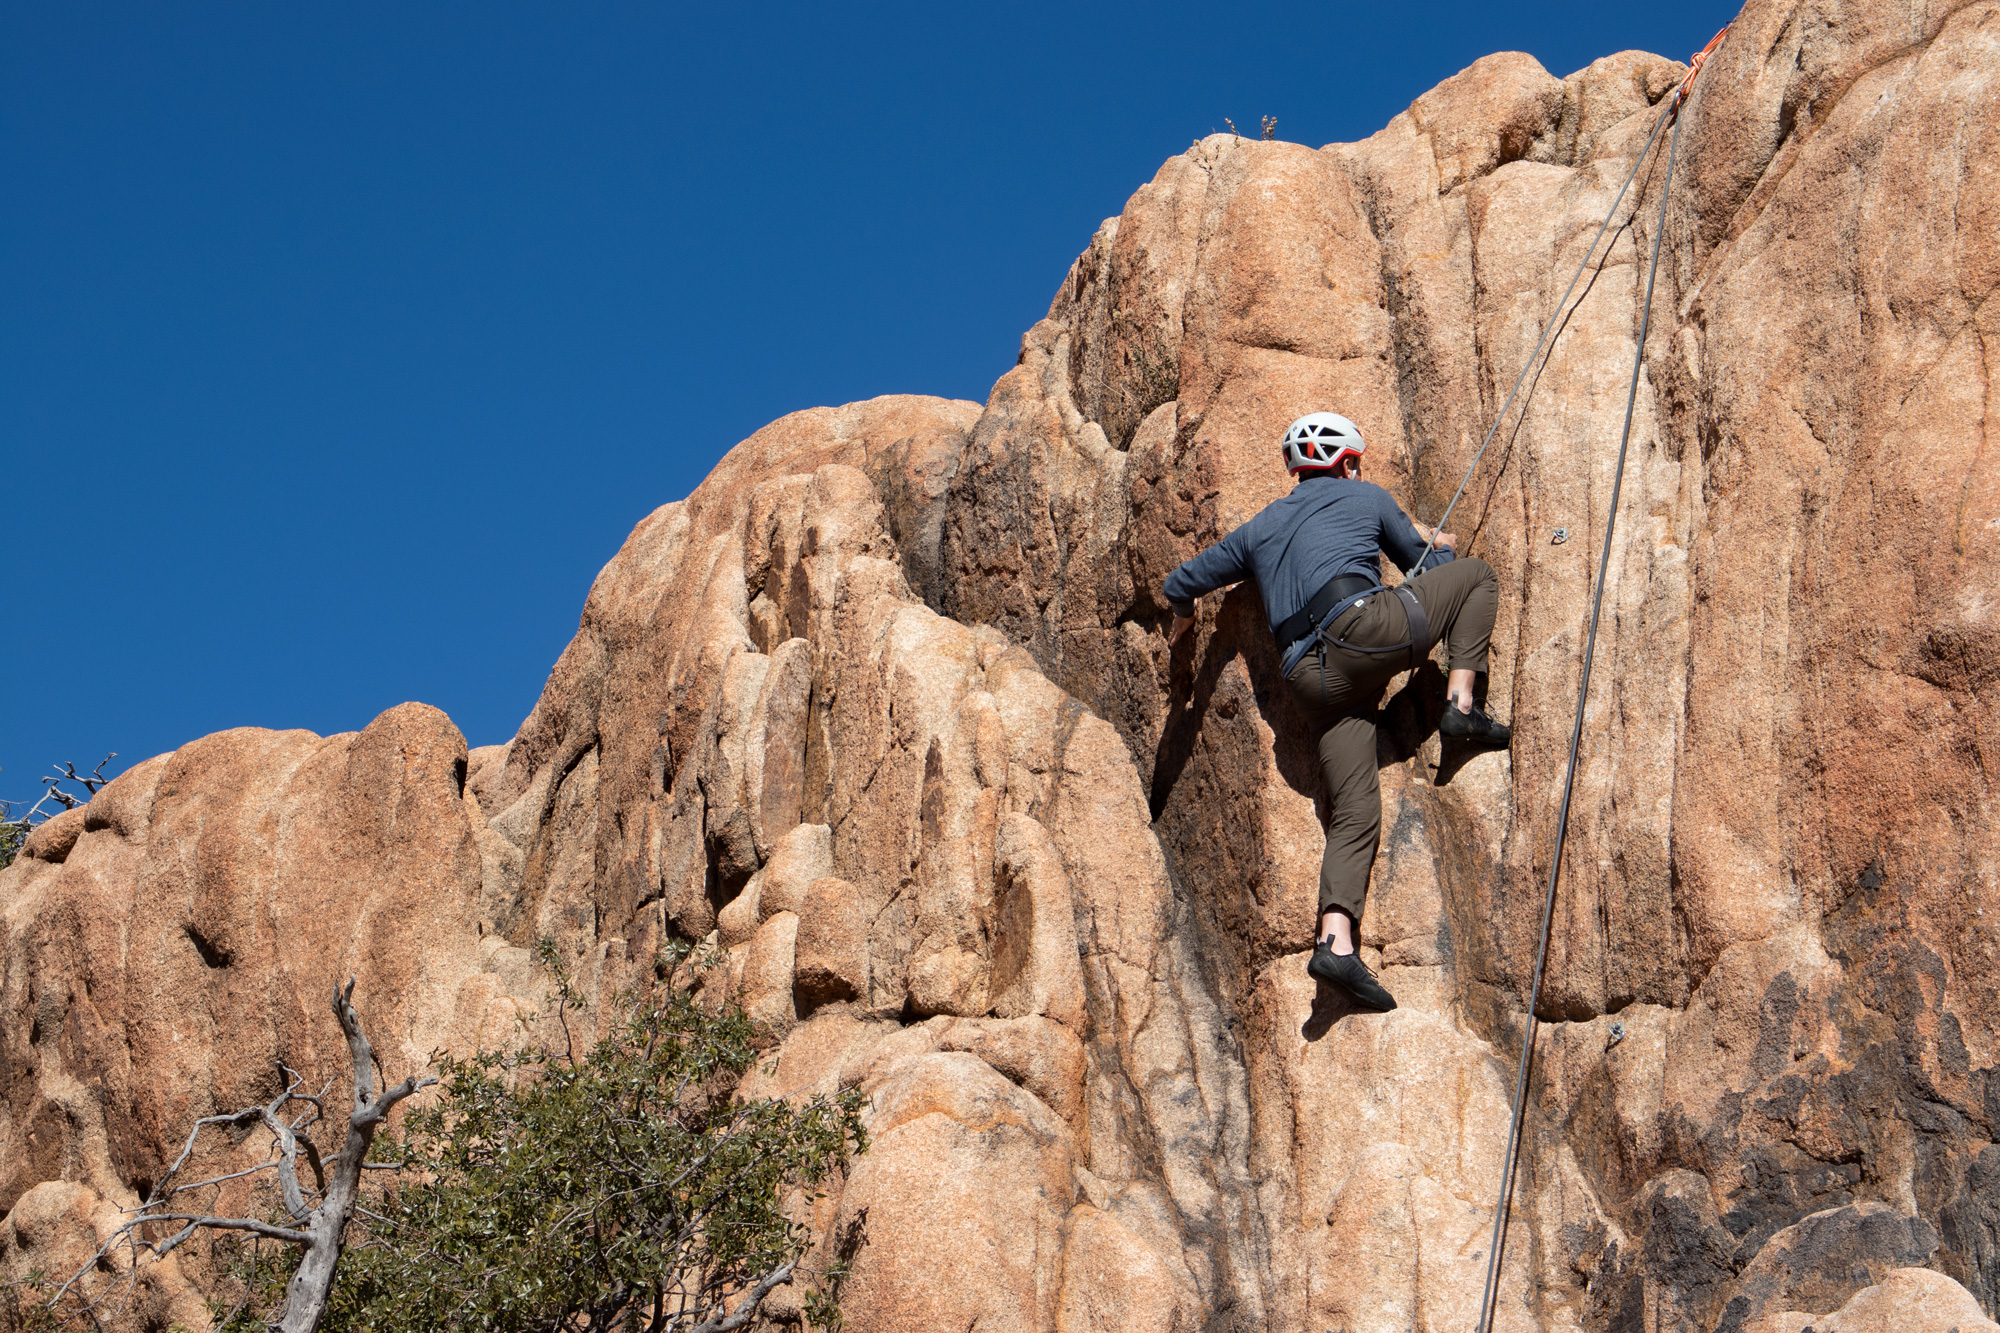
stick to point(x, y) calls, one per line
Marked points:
point(831, 960)
point(1908, 1300)
point(191, 935)
point(883, 712)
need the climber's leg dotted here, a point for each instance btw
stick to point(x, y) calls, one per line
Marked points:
point(1461, 599)
point(1347, 761)
point(1458, 688)
point(1354, 815)
point(1339, 689)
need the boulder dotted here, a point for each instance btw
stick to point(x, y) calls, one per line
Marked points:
point(962, 1197)
point(832, 949)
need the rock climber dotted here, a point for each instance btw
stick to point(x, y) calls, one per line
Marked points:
point(1315, 554)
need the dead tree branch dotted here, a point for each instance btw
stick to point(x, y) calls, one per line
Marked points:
point(746, 1309)
point(90, 782)
point(312, 1283)
point(322, 1229)
point(14, 831)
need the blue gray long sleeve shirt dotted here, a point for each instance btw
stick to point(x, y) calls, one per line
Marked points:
point(1327, 526)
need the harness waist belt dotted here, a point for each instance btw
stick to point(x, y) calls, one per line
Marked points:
point(1303, 622)
point(1418, 645)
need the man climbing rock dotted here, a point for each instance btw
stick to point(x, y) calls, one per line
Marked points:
point(1315, 554)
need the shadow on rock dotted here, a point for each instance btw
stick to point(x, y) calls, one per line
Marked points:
point(1411, 717)
point(1329, 1007)
point(1452, 756)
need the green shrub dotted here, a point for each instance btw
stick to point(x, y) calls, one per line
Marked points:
point(543, 1189)
point(13, 832)
point(617, 1188)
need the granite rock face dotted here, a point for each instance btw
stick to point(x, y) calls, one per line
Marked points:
point(884, 710)
point(183, 935)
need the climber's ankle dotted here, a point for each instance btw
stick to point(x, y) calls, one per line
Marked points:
point(1336, 931)
point(1458, 689)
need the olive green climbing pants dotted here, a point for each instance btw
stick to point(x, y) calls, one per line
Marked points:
point(1341, 689)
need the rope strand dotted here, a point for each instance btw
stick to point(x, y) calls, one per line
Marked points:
point(1555, 320)
point(1488, 1300)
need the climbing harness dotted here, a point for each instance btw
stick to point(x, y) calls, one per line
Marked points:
point(1335, 596)
point(1417, 645)
point(1332, 601)
point(1489, 1295)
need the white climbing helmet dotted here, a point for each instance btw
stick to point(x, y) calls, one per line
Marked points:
point(1321, 439)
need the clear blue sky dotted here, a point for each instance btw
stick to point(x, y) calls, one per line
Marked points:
point(340, 345)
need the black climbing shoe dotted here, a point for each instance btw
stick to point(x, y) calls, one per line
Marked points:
point(1346, 971)
point(1474, 727)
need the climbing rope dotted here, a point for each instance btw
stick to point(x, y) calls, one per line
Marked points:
point(1699, 59)
point(1555, 320)
point(1488, 1300)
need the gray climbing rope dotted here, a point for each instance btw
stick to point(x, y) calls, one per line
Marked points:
point(1555, 322)
point(1488, 1300)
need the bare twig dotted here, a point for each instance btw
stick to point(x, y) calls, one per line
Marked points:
point(205, 1184)
point(322, 1232)
point(90, 782)
point(36, 814)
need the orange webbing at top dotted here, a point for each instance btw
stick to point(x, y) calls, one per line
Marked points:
point(1695, 64)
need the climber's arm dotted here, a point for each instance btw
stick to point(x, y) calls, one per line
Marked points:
point(1403, 538)
point(1219, 566)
